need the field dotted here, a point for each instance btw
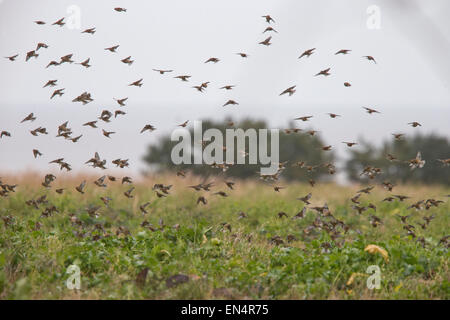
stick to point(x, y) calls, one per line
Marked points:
point(190, 251)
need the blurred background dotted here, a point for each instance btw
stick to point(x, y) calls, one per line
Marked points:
point(410, 41)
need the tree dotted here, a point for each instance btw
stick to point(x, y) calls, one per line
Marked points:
point(432, 147)
point(293, 147)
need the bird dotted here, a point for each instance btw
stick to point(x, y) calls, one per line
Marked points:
point(39, 22)
point(162, 71)
point(60, 22)
point(29, 117)
point(350, 144)
point(81, 187)
point(266, 42)
point(269, 28)
point(324, 72)
point(41, 45)
point(227, 87)
point(121, 102)
point(333, 115)
point(107, 133)
point(148, 127)
point(417, 162)
point(268, 18)
point(307, 53)
point(31, 54)
point(90, 31)
point(415, 124)
point(370, 58)
point(212, 59)
point(183, 78)
point(12, 58)
point(91, 124)
point(67, 58)
point(184, 124)
point(36, 153)
point(306, 198)
point(398, 136)
point(113, 48)
point(230, 102)
point(242, 54)
point(137, 83)
point(52, 63)
point(347, 84)
point(305, 118)
point(4, 133)
point(127, 60)
point(57, 92)
point(50, 83)
point(120, 9)
point(143, 206)
point(343, 51)
point(290, 91)
point(85, 63)
point(370, 111)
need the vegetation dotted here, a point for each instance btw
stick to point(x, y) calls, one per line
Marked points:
point(190, 251)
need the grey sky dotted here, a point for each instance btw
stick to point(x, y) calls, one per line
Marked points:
point(410, 82)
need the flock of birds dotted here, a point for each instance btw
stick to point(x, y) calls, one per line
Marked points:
point(324, 220)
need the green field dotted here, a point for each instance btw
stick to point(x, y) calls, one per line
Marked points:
point(190, 251)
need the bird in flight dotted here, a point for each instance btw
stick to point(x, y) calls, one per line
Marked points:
point(162, 71)
point(242, 54)
point(370, 111)
point(324, 72)
point(227, 87)
point(85, 63)
point(343, 51)
point(269, 28)
point(212, 59)
point(121, 102)
point(290, 91)
point(266, 42)
point(31, 54)
point(12, 58)
point(148, 127)
point(268, 18)
point(29, 117)
point(307, 53)
point(230, 102)
point(370, 58)
point(183, 78)
point(90, 31)
point(113, 48)
point(415, 124)
point(350, 144)
point(120, 9)
point(305, 118)
point(60, 22)
point(137, 83)
point(127, 60)
point(50, 83)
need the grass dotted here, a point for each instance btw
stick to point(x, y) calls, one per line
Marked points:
point(215, 254)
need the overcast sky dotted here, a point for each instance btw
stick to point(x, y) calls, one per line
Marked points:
point(410, 82)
